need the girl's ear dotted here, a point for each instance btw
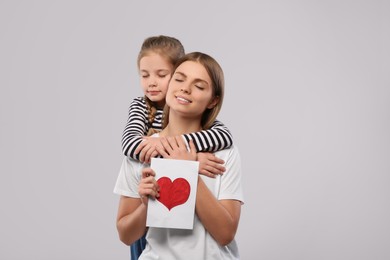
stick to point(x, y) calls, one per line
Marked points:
point(213, 102)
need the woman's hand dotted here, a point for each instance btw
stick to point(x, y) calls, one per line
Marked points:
point(147, 148)
point(148, 186)
point(210, 165)
point(175, 148)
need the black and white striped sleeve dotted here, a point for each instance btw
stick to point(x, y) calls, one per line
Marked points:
point(136, 127)
point(218, 137)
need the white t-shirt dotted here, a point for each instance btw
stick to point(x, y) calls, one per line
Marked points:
point(164, 243)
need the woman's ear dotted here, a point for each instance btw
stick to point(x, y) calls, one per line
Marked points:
point(213, 102)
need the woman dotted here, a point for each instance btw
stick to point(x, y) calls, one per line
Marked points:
point(193, 100)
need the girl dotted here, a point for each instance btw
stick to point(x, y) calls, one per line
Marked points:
point(156, 59)
point(155, 63)
point(194, 98)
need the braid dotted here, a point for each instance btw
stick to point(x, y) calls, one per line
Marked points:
point(152, 110)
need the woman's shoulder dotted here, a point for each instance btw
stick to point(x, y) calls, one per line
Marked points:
point(131, 166)
point(134, 164)
point(231, 152)
point(129, 176)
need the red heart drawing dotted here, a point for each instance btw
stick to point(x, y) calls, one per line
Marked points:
point(174, 193)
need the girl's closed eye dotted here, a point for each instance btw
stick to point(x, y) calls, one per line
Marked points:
point(163, 73)
point(199, 87)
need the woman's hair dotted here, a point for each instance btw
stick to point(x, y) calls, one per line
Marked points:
point(215, 73)
point(168, 47)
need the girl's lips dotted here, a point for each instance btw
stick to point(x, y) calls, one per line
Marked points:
point(153, 93)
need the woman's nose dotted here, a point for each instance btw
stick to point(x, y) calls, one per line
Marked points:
point(185, 88)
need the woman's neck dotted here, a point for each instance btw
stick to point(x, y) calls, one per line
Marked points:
point(179, 126)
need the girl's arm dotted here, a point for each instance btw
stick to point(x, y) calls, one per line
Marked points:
point(136, 127)
point(218, 137)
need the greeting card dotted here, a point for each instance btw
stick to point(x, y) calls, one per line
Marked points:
point(175, 208)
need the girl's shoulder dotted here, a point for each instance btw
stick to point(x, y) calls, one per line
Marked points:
point(138, 102)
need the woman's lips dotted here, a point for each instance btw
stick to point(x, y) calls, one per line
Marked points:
point(182, 100)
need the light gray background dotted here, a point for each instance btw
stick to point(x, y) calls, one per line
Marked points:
point(307, 100)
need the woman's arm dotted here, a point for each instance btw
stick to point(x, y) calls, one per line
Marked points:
point(131, 219)
point(219, 217)
point(136, 127)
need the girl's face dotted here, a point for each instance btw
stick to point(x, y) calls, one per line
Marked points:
point(155, 72)
point(190, 90)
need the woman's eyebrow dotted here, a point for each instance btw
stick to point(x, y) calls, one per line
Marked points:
point(201, 80)
point(181, 74)
point(195, 80)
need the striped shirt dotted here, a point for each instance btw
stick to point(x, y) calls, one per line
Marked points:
point(218, 137)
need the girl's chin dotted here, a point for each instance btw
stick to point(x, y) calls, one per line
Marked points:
point(155, 99)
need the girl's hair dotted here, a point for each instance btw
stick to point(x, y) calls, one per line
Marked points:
point(215, 73)
point(168, 47)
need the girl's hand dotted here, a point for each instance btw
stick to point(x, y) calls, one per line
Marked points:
point(148, 186)
point(147, 148)
point(210, 165)
point(175, 148)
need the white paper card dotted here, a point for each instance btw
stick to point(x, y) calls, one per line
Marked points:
point(178, 180)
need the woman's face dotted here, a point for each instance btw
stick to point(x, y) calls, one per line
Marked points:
point(155, 72)
point(190, 90)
